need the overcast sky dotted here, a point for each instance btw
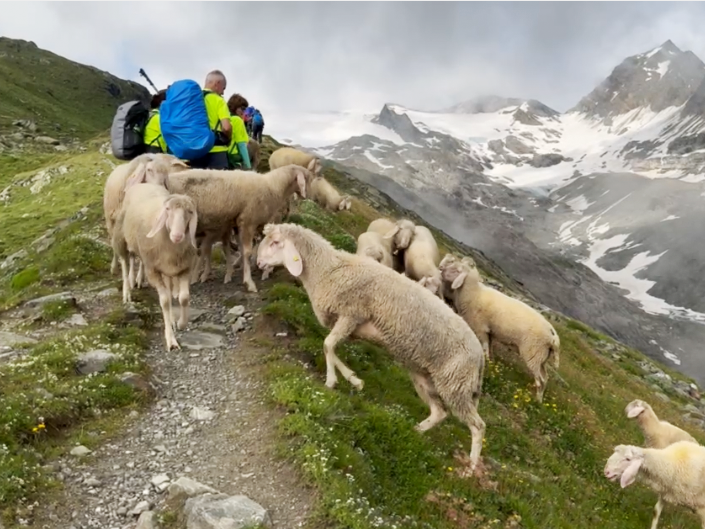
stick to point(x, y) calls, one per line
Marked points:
point(315, 56)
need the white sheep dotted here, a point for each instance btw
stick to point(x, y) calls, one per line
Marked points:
point(397, 235)
point(657, 434)
point(372, 244)
point(421, 260)
point(676, 473)
point(150, 168)
point(288, 155)
point(493, 315)
point(160, 228)
point(355, 296)
point(239, 199)
point(327, 196)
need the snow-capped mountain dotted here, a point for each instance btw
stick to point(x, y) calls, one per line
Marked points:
point(595, 210)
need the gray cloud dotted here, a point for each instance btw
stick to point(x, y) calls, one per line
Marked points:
point(314, 56)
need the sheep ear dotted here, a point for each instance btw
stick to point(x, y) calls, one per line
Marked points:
point(458, 281)
point(311, 165)
point(180, 163)
point(292, 259)
point(159, 223)
point(301, 180)
point(391, 233)
point(348, 202)
point(634, 411)
point(138, 177)
point(629, 475)
point(192, 224)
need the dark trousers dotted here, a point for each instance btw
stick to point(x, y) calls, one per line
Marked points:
point(212, 160)
point(257, 132)
point(152, 149)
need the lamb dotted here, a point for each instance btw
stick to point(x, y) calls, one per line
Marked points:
point(327, 196)
point(657, 434)
point(241, 199)
point(288, 155)
point(676, 473)
point(153, 224)
point(152, 168)
point(372, 244)
point(355, 296)
point(421, 260)
point(494, 315)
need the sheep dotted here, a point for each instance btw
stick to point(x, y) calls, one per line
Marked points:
point(152, 168)
point(676, 473)
point(421, 260)
point(372, 244)
point(153, 224)
point(392, 232)
point(241, 199)
point(355, 296)
point(657, 434)
point(493, 315)
point(253, 151)
point(288, 155)
point(327, 196)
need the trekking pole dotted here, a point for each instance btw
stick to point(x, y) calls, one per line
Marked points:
point(144, 74)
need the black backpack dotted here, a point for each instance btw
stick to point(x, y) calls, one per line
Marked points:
point(127, 131)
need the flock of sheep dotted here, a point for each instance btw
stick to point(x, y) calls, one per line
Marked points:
point(435, 316)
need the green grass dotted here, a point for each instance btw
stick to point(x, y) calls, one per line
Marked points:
point(64, 98)
point(373, 470)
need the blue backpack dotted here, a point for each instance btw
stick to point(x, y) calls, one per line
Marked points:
point(184, 121)
point(257, 118)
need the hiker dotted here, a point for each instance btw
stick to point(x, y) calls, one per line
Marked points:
point(257, 125)
point(238, 156)
point(152, 138)
point(247, 118)
point(219, 120)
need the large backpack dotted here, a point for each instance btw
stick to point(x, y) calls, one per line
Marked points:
point(128, 129)
point(257, 118)
point(183, 120)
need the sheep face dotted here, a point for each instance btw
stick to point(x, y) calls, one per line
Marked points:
point(432, 283)
point(402, 233)
point(624, 463)
point(456, 272)
point(178, 214)
point(277, 250)
point(345, 203)
point(635, 408)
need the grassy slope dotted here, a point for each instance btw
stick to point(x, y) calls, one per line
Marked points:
point(39, 85)
point(374, 471)
point(359, 449)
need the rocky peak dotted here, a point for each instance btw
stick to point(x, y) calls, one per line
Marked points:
point(662, 77)
point(393, 117)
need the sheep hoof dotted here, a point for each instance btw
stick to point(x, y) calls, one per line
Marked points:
point(251, 286)
point(357, 383)
point(330, 383)
point(181, 325)
point(204, 278)
point(227, 279)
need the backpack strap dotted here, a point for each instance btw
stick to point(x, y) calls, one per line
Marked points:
point(217, 124)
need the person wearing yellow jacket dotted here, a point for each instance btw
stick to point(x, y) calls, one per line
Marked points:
point(238, 156)
point(152, 137)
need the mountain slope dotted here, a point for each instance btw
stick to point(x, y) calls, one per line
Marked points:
point(62, 97)
point(595, 210)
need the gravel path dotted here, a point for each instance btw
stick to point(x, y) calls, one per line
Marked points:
point(209, 422)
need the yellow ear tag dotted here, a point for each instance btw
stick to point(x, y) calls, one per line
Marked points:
point(295, 258)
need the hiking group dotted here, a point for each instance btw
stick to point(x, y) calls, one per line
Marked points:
point(194, 124)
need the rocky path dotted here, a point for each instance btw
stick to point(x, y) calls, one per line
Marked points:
point(209, 422)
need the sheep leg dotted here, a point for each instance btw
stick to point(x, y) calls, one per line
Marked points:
point(484, 338)
point(131, 275)
point(245, 242)
point(657, 513)
point(126, 294)
point(229, 259)
point(140, 275)
point(206, 248)
point(114, 264)
point(343, 328)
point(463, 399)
point(184, 298)
point(427, 391)
point(540, 380)
point(701, 513)
point(164, 291)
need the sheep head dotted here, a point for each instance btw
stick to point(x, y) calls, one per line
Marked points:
point(345, 203)
point(402, 232)
point(315, 167)
point(624, 463)
point(636, 408)
point(275, 249)
point(178, 214)
point(432, 283)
